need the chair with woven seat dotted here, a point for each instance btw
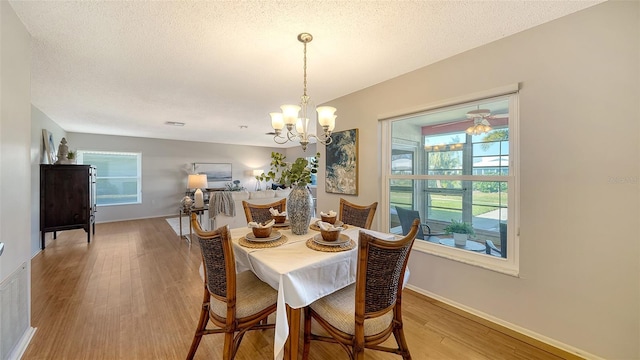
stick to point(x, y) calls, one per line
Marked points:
point(260, 213)
point(365, 314)
point(234, 303)
point(406, 218)
point(357, 215)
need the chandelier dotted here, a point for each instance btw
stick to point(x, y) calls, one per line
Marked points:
point(480, 123)
point(296, 117)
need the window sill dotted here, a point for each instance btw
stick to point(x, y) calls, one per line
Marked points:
point(484, 261)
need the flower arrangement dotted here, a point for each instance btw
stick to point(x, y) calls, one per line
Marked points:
point(289, 174)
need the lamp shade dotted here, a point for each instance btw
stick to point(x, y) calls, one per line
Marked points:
point(197, 181)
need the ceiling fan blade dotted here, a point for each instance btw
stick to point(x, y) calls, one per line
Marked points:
point(448, 123)
point(498, 116)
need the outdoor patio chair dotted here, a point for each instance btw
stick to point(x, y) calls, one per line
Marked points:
point(406, 218)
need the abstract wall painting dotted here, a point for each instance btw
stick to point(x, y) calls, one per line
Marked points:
point(342, 163)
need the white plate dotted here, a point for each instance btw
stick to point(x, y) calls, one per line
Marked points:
point(275, 235)
point(284, 224)
point(338, 223)
point(342, 239)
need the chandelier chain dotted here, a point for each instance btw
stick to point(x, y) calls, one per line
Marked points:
point(305, 70)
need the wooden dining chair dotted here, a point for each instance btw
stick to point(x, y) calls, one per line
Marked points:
point(357, 215)
point(260, 213)
point(365, 314)
point(233, 303)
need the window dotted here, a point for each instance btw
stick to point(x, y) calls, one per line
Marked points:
point(119, 176)
point(434, 166)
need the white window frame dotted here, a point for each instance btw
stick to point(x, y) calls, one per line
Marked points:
point(138, 177)
point(510, 265)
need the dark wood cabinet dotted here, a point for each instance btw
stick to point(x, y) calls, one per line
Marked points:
point(67, 199)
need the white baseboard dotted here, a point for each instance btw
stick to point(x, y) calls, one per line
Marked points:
point(22, 345)
point(515, 328)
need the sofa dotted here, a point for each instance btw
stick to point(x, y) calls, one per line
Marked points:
point(255, 197)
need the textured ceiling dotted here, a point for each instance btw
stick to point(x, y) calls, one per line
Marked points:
point(125, 68)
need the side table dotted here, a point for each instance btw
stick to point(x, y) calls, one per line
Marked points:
point(188, 212)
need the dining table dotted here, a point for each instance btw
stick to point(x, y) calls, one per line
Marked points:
point(301, 270)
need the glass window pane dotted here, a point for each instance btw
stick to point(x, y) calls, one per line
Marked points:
point(118, 179)
point(470, 140)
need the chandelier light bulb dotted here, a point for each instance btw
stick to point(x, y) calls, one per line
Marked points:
point(290, 113)
point(277, 122)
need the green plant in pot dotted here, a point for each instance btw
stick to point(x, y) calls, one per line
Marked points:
point(297, 175)
point(290, 174)
point(71, 157)
point(460, 230)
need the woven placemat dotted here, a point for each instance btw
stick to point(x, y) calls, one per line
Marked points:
point(344, 247)
point(262, 245)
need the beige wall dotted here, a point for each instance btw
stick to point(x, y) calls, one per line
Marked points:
point(15, 172)
point(15, 125)
point(165, 166)
point(579, 277)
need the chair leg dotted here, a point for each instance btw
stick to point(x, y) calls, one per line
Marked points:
point(307, 333)
point(398, 333)
point(202, 325)
point(228, 348)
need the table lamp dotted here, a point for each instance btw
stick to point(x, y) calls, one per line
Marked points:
point(198, 182)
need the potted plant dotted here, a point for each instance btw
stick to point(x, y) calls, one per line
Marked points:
point(297, 175)
point(290, 174)
point(71, 157)
point(460, 230)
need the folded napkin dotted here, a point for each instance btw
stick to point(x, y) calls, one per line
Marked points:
point(331, 213)
point(275, 212)
point(328, 227)
point(254, 224)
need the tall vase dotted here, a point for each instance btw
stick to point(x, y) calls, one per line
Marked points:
point(299, 205)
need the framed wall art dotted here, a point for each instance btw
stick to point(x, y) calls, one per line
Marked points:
point(49, 146)
point(342, 163)
point(218, 174)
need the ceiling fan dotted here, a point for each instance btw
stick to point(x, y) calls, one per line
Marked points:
point(480, 123)
point(479, 117)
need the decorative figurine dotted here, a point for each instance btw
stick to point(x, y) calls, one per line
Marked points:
point(63, 151)
point(186, 202)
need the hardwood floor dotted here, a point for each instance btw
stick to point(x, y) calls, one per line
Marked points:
point(134, 292)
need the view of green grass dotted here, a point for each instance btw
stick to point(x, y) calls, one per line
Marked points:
point(444, 207)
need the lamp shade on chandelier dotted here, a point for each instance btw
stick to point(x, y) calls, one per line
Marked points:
point(296, 118)
point(480, 123)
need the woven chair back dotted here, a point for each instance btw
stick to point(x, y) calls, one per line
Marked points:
point(384, 263)
point(260, 213)
point(216, 258)
point(357, 215)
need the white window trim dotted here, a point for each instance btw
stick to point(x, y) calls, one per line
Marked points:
point(138, 178)
point(510, 265)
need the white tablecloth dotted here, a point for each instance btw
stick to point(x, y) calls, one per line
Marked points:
point(301, 275)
